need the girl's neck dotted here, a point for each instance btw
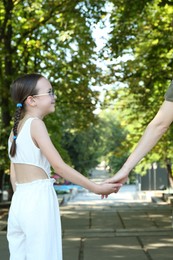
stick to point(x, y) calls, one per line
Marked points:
point(28, 115)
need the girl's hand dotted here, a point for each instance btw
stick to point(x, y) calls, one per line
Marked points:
point(105, 189)
point(119, 178)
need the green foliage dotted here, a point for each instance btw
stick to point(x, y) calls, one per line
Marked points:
point(141, 53)
point(52, 38)
point(55, 38)
point(83, 147)
point(104, 140)
point(143, 30)
point(113, 140)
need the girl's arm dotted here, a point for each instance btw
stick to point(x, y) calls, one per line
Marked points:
point(40, 136)
point(154, 131)
point(12, 176)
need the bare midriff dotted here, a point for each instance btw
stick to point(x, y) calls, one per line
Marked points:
point(27, 173)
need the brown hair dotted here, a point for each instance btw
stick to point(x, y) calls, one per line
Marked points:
point(21, 88)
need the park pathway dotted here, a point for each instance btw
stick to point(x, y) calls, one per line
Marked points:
point(125, 226)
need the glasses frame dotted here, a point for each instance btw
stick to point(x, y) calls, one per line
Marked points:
point(51, 93)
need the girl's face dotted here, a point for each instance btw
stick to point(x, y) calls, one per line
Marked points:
point(45, 99)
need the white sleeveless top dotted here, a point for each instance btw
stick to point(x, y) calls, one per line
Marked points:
point(26, 151)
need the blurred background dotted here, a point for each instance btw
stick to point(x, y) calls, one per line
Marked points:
point(110, 63)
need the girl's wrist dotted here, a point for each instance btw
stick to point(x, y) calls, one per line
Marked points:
point(96, 188)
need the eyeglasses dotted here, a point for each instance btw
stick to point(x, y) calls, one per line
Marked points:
point(51, 93)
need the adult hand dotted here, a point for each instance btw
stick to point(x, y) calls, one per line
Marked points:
point(119, 178)
point(105, 188)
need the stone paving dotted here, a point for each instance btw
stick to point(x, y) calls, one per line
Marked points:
point(4, 254)
point(126, 226)
point(115, 229)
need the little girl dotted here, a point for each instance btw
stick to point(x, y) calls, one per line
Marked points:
point(34, 227)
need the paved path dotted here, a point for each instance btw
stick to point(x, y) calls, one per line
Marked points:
point(115, 229)
point(125, 226)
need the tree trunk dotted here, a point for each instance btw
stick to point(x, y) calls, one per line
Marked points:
point(6, 77)
point(169, 170)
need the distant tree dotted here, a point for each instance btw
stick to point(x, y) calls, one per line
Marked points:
point(53, 38)
point(113, 140)
point(83, 147)
point(140, 53)
point(104, 140)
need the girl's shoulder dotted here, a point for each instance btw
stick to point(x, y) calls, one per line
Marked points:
point(38, 126)
point(39, 132)
point(35, 121)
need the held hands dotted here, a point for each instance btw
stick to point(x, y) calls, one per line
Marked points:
point(105, 189)
point(113, 184)
point(118, 179)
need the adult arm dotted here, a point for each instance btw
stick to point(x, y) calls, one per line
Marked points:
point(154, 131)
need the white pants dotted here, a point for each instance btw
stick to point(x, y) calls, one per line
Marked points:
point(34, 227)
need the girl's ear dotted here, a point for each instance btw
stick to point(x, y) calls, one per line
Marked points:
point(30, 101)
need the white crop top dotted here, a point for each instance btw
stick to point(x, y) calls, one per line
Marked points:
point(26, 151)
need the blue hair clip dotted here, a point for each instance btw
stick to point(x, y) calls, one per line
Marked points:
point(19, 105)
point(14, 137)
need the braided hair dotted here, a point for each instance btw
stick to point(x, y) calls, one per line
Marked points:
point(21, 88)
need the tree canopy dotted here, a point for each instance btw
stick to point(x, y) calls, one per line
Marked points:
point(52, 38)
point(141, 66)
